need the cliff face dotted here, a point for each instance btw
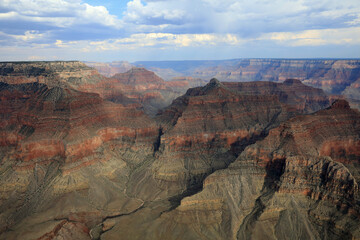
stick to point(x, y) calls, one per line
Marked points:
point(64, 117)
point(206, 129)
point(224, 161)
point(55, 142)
point(300, 182)
point(62, 74)
point(303, 98)
point(134, 86)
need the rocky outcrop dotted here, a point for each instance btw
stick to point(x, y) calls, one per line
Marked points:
point(62, 74)
point(206, 129)
point(300, 182)
point(292, 92)
point(335, 76)
point(134, 86)
point(222, 161)
point(147, 88)
point(139, 76)
point(57, 141)
point(68, 74)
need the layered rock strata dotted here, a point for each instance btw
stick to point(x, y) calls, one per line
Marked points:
point(66, 157)
point(134, 86)
point(223, 162)
point(206, 129)
point(149, 89)
point(335, 76)
point(300, 182)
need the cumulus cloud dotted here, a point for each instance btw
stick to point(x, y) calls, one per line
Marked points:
point(69, 25)
point(60, 13)
point(247, 18)
point(55, 17)
point(151, 14)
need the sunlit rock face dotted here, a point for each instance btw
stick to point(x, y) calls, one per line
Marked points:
point(57, 73)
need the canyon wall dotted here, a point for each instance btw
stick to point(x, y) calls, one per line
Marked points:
point(231, 160)
point(335, 76)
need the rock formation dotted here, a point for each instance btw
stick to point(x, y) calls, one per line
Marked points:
point(134, 86)
point(224, 161)
point(205, 129)
point(292, 92)
point(149, 89)
point(62, 74)
point(300, 182)
point(333, 76)
point(65, 158)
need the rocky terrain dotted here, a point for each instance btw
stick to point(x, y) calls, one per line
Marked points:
point(300, 182)
point(65, 155)
point(334, 76)
point(226, 120)
point(231, 160)
point(149, 90)
point(72, 74)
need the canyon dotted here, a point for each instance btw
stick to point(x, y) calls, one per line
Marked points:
point(148, 90)
point(132, 156)
point(334, 76)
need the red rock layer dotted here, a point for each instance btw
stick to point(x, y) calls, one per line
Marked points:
point(67, 230)
point(147, 88)
point(41, 124)
point(292, 92)
point(333, 133)
point(284, 186)
point(138, 76)
point(135, 86)
point(206, 128)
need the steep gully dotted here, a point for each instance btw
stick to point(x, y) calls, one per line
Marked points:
point(274, 170)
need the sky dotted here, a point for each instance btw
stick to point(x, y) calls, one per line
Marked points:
point(114, 30)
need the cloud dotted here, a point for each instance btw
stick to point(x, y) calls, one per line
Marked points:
point(151, 14)
point(153, 40)
point(60, 13)
point(246, 18)
point(77, 26)
point(54, 17)
point(320, 37)
point(345, 36)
